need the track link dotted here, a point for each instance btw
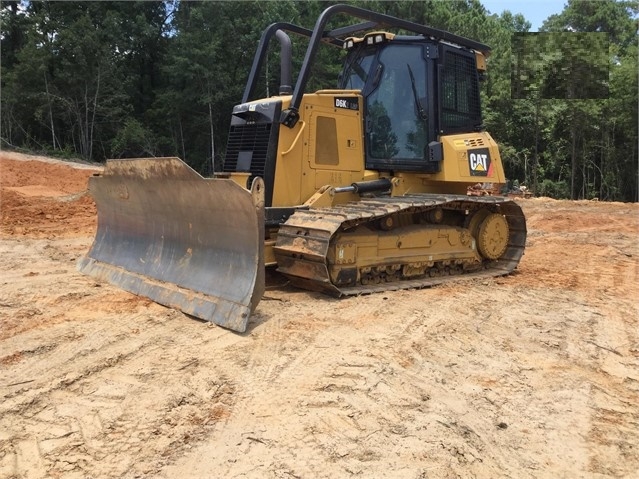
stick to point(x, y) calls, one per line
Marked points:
point(304, 242)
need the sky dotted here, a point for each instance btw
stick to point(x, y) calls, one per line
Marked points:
point(535, 11)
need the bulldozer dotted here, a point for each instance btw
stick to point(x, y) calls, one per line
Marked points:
point(351, 190)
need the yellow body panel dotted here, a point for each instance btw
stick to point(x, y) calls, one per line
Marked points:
point(468, 159)
point(326, 147)
point(329, 142)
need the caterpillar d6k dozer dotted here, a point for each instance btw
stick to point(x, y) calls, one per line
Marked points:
point(363, 188)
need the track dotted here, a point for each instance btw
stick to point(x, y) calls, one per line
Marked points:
point(304, 243)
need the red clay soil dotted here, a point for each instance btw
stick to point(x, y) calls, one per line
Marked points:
point(44, 198)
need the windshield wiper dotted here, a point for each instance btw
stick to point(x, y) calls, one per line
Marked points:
point(421, 113)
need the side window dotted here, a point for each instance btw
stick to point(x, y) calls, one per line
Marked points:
point(460, 108)
point(357, 72)
point(397, 127)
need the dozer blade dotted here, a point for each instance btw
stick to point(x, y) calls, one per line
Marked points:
point(190, 243)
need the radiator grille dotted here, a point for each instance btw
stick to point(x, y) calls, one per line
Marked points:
point(248, 138)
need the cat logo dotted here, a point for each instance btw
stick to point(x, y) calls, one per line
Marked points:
point(479, 162)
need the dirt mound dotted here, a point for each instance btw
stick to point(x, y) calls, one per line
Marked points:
point(45, 198)
point(530, 375)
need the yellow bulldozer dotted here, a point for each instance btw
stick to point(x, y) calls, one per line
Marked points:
point(353, 190)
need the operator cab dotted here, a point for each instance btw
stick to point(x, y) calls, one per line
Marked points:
point(404, 80)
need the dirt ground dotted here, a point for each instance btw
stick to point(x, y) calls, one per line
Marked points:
point(531, 375)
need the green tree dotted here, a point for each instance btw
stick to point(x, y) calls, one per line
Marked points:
point(602, 156)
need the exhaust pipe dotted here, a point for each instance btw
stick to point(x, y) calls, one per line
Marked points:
point(286, 56)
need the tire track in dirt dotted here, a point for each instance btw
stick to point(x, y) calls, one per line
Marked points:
point(342, 404)
point(97, 395)
point(70, 401)
point(531, 375)
point(339, 404)
point(613, 343)
point(390, 376)
point(282, 340)
point(607, 273)
point(43, 401)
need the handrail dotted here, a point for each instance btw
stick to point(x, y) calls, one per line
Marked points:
point(333, 91)
point(296, 139)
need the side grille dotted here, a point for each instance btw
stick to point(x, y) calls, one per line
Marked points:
point(249, 142)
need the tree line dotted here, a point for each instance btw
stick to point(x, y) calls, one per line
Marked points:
point(118, 79)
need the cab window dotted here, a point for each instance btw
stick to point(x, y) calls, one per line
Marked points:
point(397, 124)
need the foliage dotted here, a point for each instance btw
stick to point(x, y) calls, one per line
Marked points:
point(554, 189)
point(122, 79)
